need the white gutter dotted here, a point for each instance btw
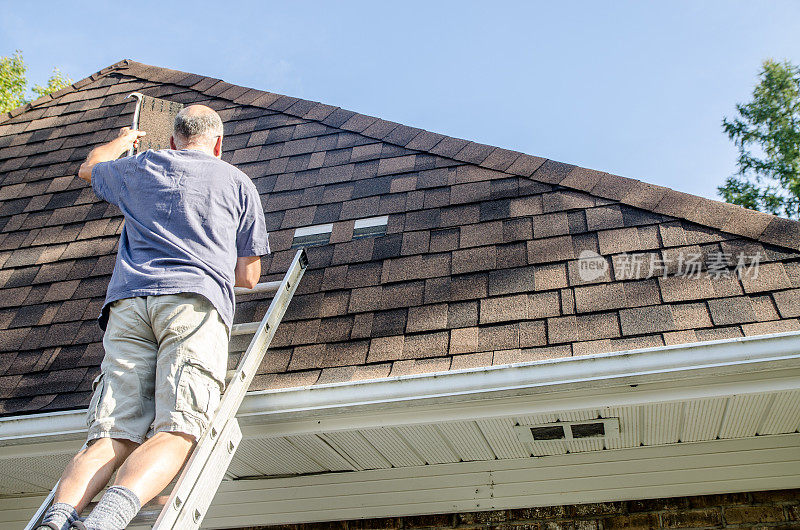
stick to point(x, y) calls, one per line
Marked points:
point(767, 363)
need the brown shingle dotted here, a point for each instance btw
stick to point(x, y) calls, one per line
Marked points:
point(512, 280)
point(680, 337)
point(765, 277)
point(550, 249)
point(512, 255)
point(562, 200)
point(788, 302)
point(690, 316)
point(532, 333)
point(718, 333)
point(581, 178)
point(530, 205)
point(597, 326)
point(471, 360)
point(419, 366)
point(498, 337)
point(463, 340)
point(404, 294)
point(581, 274)
point(474, 259)
point(599, 297)
point(427, 318)
point(385, 348)
point(605, 217)
point(481, 234)
point(733, 310)
point(562, 329)
point(764, 308)
point(549, 225)
point(312, 173)
point(531, 354)
point(503, 308)
point(619, 240)
point(650, 319)
point(353, 373)
point(644, 195)
point(678, 288)
point(444, 240)
point(426, 344)
point(774, 326)
point(544, 304)
point(552, 276)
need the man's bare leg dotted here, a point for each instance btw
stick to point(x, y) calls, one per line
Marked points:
point(90, 470)
point(143, 475)
point(153, 465)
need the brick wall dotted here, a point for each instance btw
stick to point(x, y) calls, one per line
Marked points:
point(762, 509)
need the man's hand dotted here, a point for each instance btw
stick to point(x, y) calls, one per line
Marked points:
point(129, 137)
point(247, 271)
point(110, 151)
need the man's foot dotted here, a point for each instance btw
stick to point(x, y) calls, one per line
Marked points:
point(77, 525)
point(48, 526)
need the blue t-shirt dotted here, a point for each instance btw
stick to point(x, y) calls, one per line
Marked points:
point(188, 216)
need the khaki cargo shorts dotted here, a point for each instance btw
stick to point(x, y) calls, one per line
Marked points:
point(163, 370)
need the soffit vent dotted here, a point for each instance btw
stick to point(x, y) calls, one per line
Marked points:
point(568, 430)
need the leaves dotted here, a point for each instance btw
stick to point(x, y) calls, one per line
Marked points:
point(767, 134)
point(14, 82)
point(55, 82)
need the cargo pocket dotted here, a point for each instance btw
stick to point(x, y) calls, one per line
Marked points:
point(198, 393)
point(98, 389)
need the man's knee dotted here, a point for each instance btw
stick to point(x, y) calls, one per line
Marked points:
point(176, 440)
point(116, 449)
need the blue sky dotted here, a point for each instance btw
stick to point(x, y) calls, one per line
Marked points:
point(636, 88)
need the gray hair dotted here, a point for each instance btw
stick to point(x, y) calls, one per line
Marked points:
point(190, 125)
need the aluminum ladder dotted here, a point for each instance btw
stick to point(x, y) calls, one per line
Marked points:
point(200, 478)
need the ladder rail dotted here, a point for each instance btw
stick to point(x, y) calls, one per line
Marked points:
point(181, 500)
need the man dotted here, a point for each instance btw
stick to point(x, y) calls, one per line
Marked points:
point(194, 229)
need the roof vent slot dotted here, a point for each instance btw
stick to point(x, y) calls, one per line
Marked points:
point(370, 227)
point(309, 236)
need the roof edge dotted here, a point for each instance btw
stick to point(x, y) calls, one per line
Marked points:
point(702, 365)
point(5, 116)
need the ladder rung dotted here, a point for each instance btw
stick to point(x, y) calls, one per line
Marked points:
point(244, 328)
point(265, 287)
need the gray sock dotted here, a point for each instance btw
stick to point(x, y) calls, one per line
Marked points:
point(61, 514)
point(115, 510)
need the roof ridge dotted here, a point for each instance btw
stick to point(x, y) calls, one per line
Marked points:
point(77, 85)
point(633, 192)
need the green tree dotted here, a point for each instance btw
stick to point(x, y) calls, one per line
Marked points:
point(14, 82)
point(767, 134)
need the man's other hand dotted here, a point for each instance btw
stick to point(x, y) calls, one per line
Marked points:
point(130, 137)
point(110, 151)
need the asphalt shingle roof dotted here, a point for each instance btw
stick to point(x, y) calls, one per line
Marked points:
point(479, 264)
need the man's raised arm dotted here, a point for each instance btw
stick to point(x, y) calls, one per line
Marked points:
point(109, 151)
